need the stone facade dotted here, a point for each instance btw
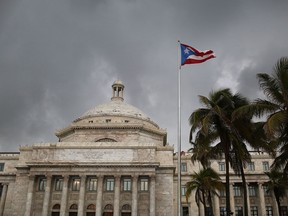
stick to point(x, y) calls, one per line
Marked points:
point(260, 202)
point(112, 160)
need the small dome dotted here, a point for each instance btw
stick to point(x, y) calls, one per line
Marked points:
point(118, 82)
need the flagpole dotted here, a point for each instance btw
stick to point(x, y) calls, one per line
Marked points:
point(179, 205)
point(190, 56)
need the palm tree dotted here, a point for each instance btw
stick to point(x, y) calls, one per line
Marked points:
point(202, 149)
point(215, 120)
point(205, 183)
point(277, 184)
point(215, 123)
point(275, 87)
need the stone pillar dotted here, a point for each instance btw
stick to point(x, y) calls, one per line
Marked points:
point(232, 201)
point(152, 195)
point(82, 196)
point(275, 206)
point(135, 195)
point(3, 198)
point(46, 200)
point(63, 205)
point(216, 207)
point(193, 205)
point(262, 209)
point(117, 196)
point(29, 195)
point(201, 209)
point(99, 196)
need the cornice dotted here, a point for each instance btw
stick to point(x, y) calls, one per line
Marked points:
point(60, 164)
point(119, 126)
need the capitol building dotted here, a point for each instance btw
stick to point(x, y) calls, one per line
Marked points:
point(115, 160)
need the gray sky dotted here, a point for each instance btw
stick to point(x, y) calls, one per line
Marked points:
point(59, 58)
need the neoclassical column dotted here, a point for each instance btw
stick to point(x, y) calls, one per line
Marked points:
point(152, 195)
point(117, 196)
point(82, 195)
point(275, 206)
point(99, 195)
point(262, 210)
point(29, 195)
point(232, 201)
point(63, 205)
point(201, 209)
point(46, 199)
point(3, 198)
point(134, 195)
point(216, 207)
point(193, 205)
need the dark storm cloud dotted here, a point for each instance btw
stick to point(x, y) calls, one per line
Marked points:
point(60, 58)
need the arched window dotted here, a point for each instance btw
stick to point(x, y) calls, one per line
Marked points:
point(91, 210)
point(91, 207)
point(126, 210)
point(55, 210)
point(73, 207)
point(108, 208)
point(56, 207)
point(126, 207)
point(106, 140)
point(73, 210)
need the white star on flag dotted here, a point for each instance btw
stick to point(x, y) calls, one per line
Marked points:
point(186, 51)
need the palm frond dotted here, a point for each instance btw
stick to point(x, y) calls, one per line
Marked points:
point(275, 122)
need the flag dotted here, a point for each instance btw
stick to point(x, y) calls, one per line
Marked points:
point(190, 55)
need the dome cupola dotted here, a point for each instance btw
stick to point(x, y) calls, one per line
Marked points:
point(118, 91)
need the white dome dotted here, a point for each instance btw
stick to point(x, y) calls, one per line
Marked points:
point(115, 107)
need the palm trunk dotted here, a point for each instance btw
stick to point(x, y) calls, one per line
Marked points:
point(227, 186)
point(245, 190)
point(204, 203)
point(210, 203)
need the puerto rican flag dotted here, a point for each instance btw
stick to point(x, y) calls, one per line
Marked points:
point(190, 55)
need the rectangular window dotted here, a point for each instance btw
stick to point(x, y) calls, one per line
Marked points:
point(127, 184)
point(237, 190)
point(58, 184)
point(284, 211)
point(222, 166)
point(75, 184)
point(238, 211)
point(144, 184)
point(183, 190)
point(251, 166)
point(185, 210)
point(269, 211)
point(223, 211)
point(42, 184)
point(183, 167)
point(110, 184)
point(92, 184)
point(254, 211)
point(2, 167)
point(222, 193)
point(208, 211)
point(252, 190)
point(266, 167)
